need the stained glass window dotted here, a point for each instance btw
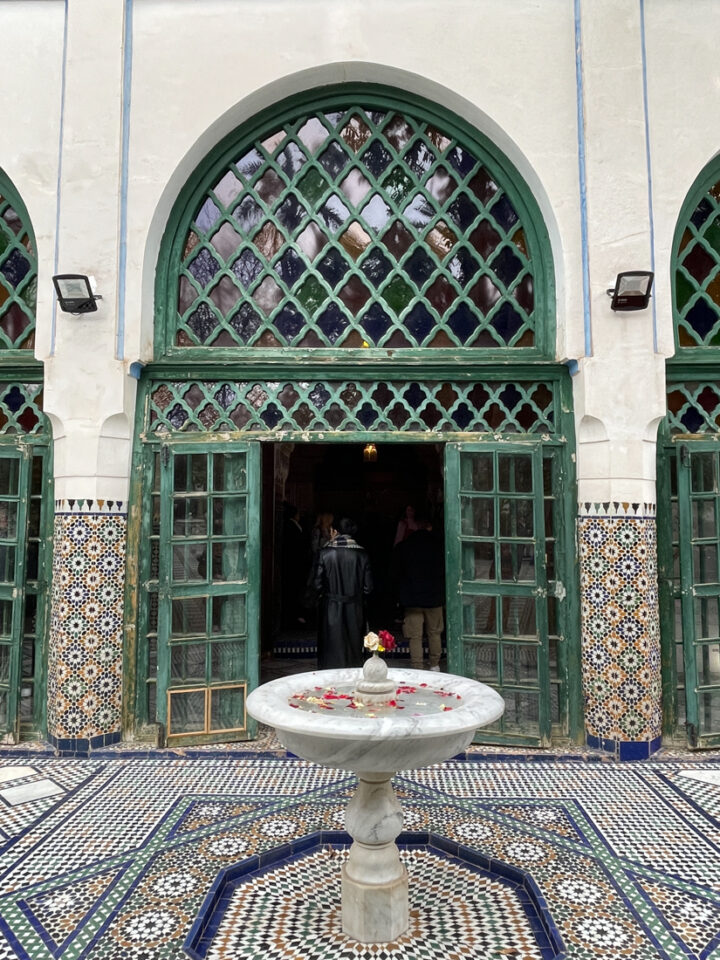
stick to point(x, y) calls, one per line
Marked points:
point(355, 227)
point(697, 274)
point(18, 275)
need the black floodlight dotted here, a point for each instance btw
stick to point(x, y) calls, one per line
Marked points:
point(74, 293)
point(632, 290)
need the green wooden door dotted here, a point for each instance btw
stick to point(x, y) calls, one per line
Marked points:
point(208, 589)
point(505, 625)
point(699, 552)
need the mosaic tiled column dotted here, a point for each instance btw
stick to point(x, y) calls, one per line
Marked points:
point(620, 627)
point(86, 628)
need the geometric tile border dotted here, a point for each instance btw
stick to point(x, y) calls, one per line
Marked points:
point(457, 909)
point(618, 860)
point(620, 633)
point(86, 629)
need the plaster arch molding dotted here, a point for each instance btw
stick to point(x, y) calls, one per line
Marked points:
point(317, 78)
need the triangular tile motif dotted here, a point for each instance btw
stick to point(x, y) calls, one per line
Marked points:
point(63, 911)
point(546, 817)
point(695, 920)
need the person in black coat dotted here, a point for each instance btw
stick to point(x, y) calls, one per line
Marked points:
point(343, 579)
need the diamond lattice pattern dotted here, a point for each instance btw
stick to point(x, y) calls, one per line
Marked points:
point(356, 228)
point(697, 275)
point(18, 280)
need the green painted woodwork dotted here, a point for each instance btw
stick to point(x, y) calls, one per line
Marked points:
point(18, 272)
point(506, 578)
point(688, 543)
point(312, 406)
point(696, 268)
point(201, 611)
point(26, 524)
point(361, 221)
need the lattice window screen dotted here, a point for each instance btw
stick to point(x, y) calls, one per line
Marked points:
point(697, 275)
point(18, 278)
point(313, 406)
point(356, 228)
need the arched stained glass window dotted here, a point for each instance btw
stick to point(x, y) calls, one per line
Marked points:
point(18, 273)
point(363, 223)
point(697, 268)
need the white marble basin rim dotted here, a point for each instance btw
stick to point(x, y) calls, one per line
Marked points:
point(391, 742)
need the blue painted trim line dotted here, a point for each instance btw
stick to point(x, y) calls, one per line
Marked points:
point(124, 174)
point(58, 191)
point(580, 96)
point(648, 160)
point(573, 367)
point(135, 369)
point(626, 749)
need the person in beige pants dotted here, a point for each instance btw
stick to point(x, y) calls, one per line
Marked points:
point(418, 572)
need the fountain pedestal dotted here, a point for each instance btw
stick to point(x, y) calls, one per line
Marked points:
point(374, 728)
point(374, 880)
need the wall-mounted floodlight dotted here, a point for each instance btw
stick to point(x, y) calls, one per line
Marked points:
point(74, 293)
point(632, 290)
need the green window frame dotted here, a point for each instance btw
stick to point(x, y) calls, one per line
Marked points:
point(356, 173)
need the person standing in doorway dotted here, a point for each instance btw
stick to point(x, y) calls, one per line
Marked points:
point(418, 573)
point(343, 580)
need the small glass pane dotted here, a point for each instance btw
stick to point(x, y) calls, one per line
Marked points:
point(28, 658)
point(189, 617)
point(4, 662)
point(229, 561)
point(32, 560)
point(707, 663)
point(187, 712)
point(9, 476)
point(515, 473)
point(190, 516)
point(6, 608)
point(703, 518)
point(227, 661)
point(479, 616)
point(519, 617)
point(481, 661)
point(187, 662)
point(705, 566)
point(521, 711)
point(706, 618)
point(151, 701)
point(477, 471)
point(190, 473)
point(227, 708)
point(7, 563)
point(230, 517)
point(520, 663)
point(229, 472)
point(517, 562)
point(478, 561)
point(709, 711)
point(703, 473)
point(516, 518)
point(3, 710)
point(229, 614)
point(189, 562)
point(477, 516)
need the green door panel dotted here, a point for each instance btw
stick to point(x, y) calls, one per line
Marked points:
point(207, 515)
point(503, 584)
point(698, 491)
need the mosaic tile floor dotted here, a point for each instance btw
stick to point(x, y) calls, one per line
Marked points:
point(237, 858)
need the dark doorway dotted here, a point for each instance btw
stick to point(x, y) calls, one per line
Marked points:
point(301, 481)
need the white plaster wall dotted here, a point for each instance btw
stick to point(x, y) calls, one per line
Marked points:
point(683, 70)
point(201, 68)
point(31, 38)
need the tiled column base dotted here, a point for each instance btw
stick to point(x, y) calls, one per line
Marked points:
point(620, 628)
point(86, 631)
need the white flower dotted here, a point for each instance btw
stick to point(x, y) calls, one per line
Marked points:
point(372, 641)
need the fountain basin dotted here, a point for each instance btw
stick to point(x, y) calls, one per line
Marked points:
point(392, 740)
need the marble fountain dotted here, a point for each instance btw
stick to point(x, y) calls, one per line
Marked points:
point(374, 722)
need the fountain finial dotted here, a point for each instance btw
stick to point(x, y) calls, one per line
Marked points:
point(374, 687)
